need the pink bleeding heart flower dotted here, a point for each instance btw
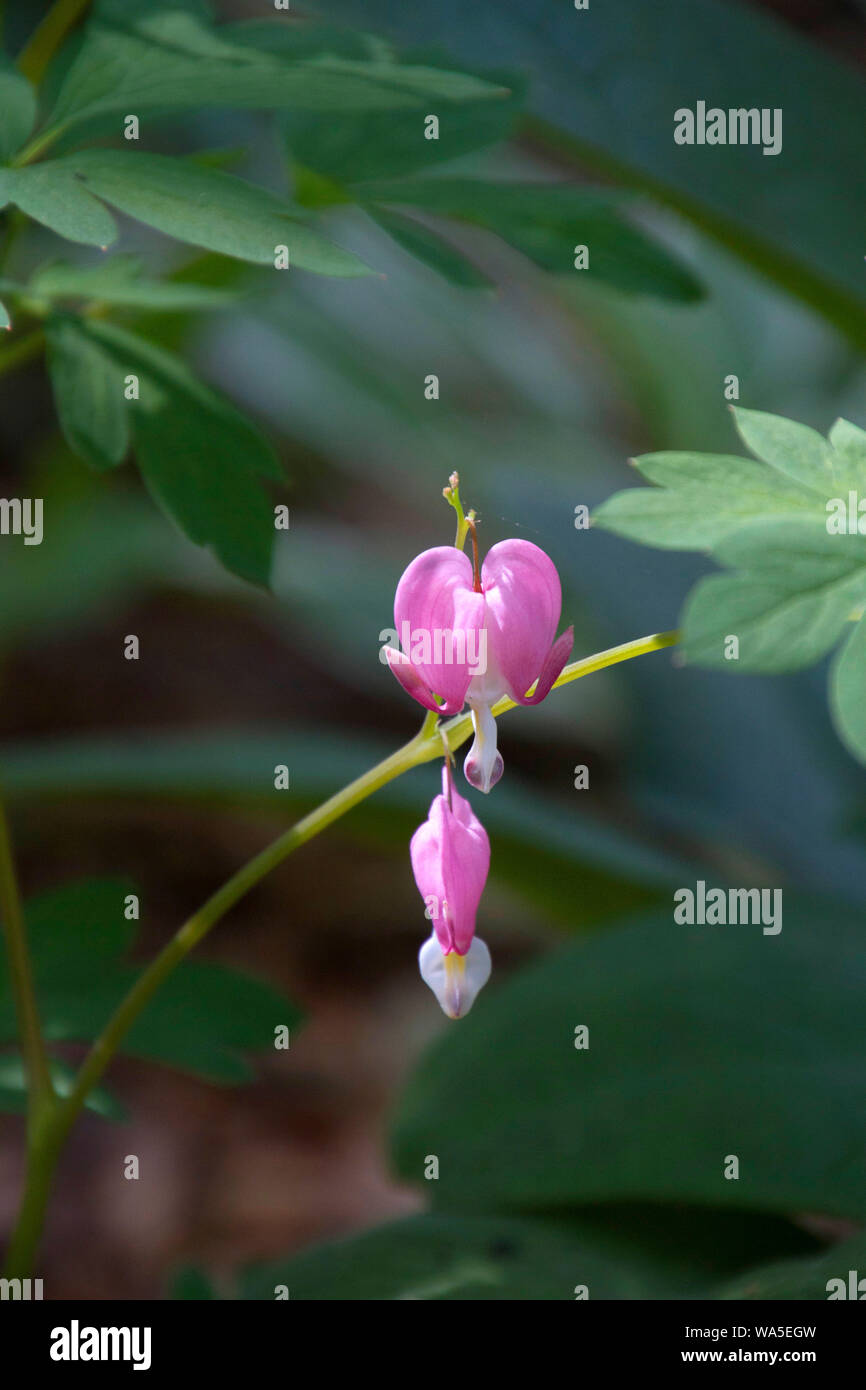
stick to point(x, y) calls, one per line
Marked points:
point(450, 856)
point(474, 638)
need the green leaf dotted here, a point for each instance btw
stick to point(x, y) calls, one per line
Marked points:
point(384, 145)
point(17, 109)
point(88, 394)
point(849, 445)
point(546, 222)
point(705, 497)
point(793, 449)
point(208, 208)
point(200, 459)
point(625, 1253)
point(788, 604)
point(824, 1276)
point(303, 42)
point(170, 61)
point(348, 148)
point(5, 321)
point(53, 195)
point(848, 692)
point(704, 1041)
point(791, 531)
point(797, 216)
point(430, 248)
point(202, 1020)
point(118, 280)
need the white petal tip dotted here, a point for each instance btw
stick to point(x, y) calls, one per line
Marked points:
point(455, 980)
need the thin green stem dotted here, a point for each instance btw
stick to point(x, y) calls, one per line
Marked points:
point(40, 1091)
point(48, 37)
point(197, 926)
point(428, 744)
point(458, 729)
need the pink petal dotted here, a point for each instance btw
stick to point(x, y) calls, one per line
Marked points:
point(413, 684)
point(435, 606)
point(424, 851)
point(450, 856)
point(524, 602)
point(465, 865)
point(552, 668)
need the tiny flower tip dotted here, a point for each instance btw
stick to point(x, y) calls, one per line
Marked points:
point(454, 979)
point(454, 480)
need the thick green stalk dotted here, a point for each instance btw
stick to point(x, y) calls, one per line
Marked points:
point(425, 747)
point(44, 1148)
point(40, 1091)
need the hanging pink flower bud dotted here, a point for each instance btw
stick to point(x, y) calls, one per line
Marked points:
point(477, 638)
point(450, 856)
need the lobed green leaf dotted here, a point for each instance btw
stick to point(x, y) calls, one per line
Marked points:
point(200, 458)
point(430, 248)
point(52, 194)
point(195, 204)
point(88, 394)
point(174, 61)
point(547, 222)
point(791, 528)
point(17, 109)
point(621, 1254)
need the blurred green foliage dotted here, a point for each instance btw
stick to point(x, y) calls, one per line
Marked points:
point(202, 1021)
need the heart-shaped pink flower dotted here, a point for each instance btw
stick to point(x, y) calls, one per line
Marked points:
point(467, 639)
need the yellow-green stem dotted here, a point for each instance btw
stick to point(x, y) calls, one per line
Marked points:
point(426, 746)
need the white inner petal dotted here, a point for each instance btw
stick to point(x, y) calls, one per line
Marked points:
point(483, 765)
point(455, 980)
